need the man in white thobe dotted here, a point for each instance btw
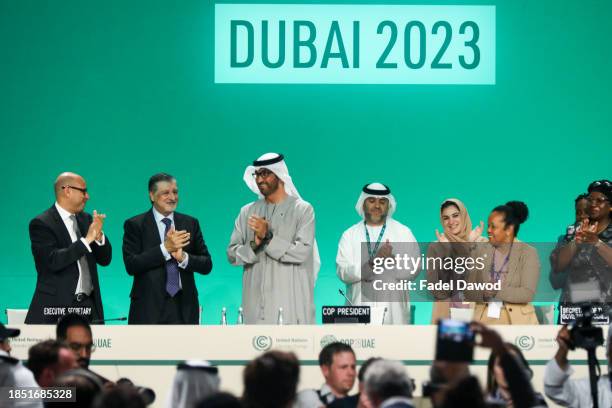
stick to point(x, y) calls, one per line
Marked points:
point(376, 235)
point(274, 241)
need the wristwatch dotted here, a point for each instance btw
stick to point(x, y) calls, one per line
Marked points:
point(268, 236)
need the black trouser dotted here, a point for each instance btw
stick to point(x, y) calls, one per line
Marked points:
point(172, 310)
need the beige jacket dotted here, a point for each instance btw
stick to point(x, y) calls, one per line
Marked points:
point(517, 290)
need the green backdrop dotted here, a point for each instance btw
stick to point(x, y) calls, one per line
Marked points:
point(117, 91)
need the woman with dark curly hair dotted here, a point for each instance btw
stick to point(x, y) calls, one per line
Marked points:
point(511, 267)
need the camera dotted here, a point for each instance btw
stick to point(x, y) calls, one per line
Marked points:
point(582, 332)
point(147, 394)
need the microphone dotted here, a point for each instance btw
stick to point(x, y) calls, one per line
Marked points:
point(116, 319)
point(344, 296)
point(384, 315)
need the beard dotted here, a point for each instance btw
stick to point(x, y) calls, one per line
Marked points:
point(376, 219)
point(267, 188)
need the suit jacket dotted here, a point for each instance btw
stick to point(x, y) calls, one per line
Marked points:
point(517, 290)
point(145, 261)
point(56, 257)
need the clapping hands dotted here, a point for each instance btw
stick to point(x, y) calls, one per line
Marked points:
point(476, 233)
point(587, 233)
point(94, 232)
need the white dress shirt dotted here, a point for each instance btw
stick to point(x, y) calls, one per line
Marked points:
point(65, 216)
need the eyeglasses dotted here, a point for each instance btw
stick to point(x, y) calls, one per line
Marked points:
point(596, 200)
point(77, 347)
point(82, 190)
point(263, 173)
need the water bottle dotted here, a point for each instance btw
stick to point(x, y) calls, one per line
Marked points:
point(240, 316)
point(280, 317)
point(224, 316)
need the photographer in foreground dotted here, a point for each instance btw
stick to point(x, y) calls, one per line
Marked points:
point(452, 386)
point(574, 392)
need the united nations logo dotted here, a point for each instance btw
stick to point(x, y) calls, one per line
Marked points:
point(328, 339)
point(262, 343)
point(524, 342)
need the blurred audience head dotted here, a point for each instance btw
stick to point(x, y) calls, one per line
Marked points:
point(86, 384)
point(497, 386)
point(48, 360)
point(385, 379)
point(193, 381)
point(442, 375)
point(363, 397)
point(120, 397)
point(6, 333)
point(270, 380)
point(220, 400)
point(75, 331)
point(464, 393)
point(338, 365)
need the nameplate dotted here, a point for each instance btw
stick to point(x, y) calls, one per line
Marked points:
point(346, 314)
point(569, 315)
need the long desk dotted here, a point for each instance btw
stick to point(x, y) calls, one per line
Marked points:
point(148, 354)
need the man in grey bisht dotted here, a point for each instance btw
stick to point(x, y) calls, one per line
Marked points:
point(274, 240)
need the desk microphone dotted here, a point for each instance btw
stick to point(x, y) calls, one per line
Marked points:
point(116, 319)
point(344, 296)
point(384, 315)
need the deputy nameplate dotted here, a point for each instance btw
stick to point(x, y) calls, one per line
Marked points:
point(569, 314)
point(346, 314)
point(354, 44)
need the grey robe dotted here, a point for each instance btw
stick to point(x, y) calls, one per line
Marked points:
point(281, 272)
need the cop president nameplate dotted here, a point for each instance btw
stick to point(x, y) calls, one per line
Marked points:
point(354, 44)
point(346, 314)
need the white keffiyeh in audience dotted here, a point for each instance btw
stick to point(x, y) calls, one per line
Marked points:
point(193, 381)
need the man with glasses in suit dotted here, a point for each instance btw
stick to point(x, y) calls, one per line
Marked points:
point(68, 244)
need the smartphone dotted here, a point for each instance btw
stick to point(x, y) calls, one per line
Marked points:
point(455, 341)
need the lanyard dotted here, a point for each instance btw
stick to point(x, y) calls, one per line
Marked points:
point(497, 273)
point(372, 252)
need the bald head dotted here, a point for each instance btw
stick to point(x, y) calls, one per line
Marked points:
point(65, 179)
point(71, 192)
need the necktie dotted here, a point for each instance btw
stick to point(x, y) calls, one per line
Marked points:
point(86, 285)
point(172, 271)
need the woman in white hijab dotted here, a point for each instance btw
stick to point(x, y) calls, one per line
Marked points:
point(457, 229)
